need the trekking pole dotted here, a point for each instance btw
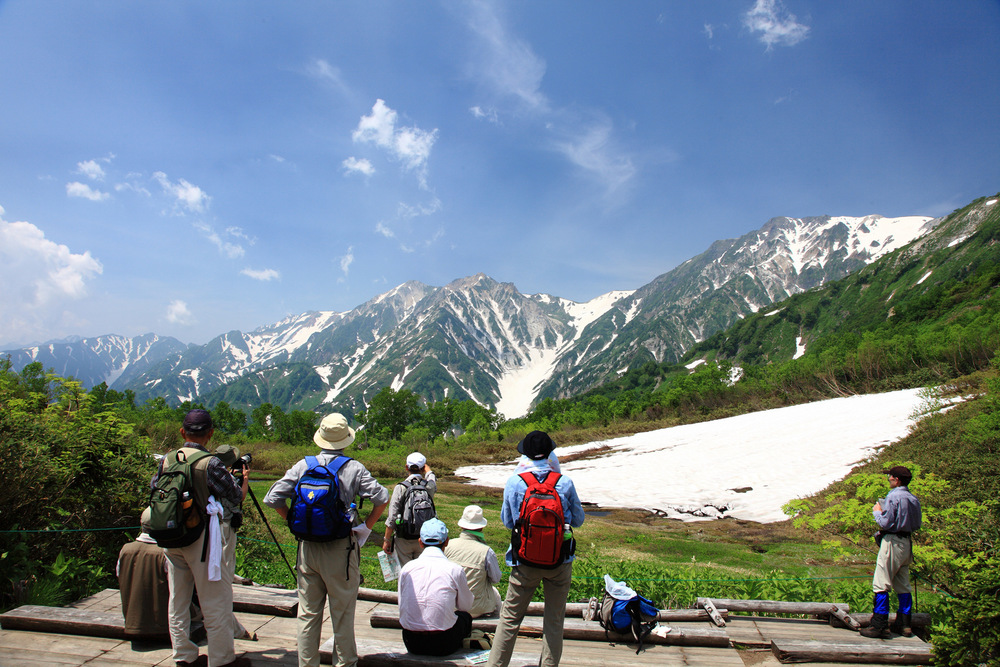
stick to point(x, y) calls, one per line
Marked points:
point(260, 510)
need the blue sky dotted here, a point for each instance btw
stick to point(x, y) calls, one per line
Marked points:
point(189, 168)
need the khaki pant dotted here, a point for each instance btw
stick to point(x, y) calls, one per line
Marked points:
point(406, 550)
point(187, 573)
point(892, 568)
point(523, 582)
point(328, 572)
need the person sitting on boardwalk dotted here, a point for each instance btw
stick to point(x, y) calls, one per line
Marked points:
point(434, 597)
point(482, 570)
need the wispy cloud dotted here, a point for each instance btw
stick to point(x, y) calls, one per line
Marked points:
point(353, 165)
point(91, 169)
point(591, 148)
point(490, 114)
point(775, 24)
point(38, 278)
point(345, 263)
point(330, 74)
point(84, 191)
point(186, 194)
point(263, 275)
point(226, 247)
point(179, 313)
point(409, 145)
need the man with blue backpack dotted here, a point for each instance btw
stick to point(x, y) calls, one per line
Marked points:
point(324, 518)
point(541, 508)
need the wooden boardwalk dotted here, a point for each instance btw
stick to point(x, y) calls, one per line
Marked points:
point(750, 643)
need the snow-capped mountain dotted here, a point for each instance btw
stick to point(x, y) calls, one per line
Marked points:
point(479, 339)
point(113, 359)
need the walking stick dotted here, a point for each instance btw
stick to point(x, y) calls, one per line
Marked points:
point(280, 550)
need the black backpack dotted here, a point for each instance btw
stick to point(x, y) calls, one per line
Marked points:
point(176, 511)
point(418, 507)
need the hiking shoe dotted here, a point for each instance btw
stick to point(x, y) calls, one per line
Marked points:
point(874, 632)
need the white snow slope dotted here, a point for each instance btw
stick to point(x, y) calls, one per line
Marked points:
point(746, 466)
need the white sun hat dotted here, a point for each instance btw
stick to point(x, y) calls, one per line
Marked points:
point(472, 518)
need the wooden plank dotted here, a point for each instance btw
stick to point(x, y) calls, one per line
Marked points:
point(777, 607)
point(580, 629)
point(713, 613)
point(382, 653)
point(264, 600)
point(64, 620)
point(843, 617)
point(876, 652)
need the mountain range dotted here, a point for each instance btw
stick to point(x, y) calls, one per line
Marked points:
point(476, 338)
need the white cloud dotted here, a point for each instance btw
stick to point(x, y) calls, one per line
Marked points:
point(263, 275)
point(178, 313)
point(709, 30)
point(592, 149)
point(187, 195)
point(91, 170)
point(409, 145)
point(77, 189)
point(507, 64)
point(382, 229)
point(328, 73)
point(489, 114)
point(38, 279)
point(775, 24)
point(347, 260)
point(360, 166)
point(227, 248)
point(404, 210)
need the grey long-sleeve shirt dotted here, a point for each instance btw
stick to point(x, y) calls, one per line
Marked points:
point(355, 480)
point(900, 512)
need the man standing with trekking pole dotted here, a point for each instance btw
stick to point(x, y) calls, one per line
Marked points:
point(328, 562)
point(541, 507)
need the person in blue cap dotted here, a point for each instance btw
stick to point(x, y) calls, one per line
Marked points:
point(434, 597)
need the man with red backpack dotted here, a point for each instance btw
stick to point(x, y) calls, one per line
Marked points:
point(541, 507)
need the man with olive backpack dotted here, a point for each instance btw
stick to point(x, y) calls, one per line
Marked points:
point(541, 507)
point(193, 472)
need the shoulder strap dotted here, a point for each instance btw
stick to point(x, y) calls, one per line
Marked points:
point(311, 462)
point(530, 479)
point(199, 473)
point(338, 463)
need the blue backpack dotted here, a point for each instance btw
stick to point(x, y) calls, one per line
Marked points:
point(636, 616)
point(317, 513)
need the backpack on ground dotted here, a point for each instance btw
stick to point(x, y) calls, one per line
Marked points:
point(318, 513)
point(418, 507)
point(538, 535)
point(636, 616)
point(177, 501)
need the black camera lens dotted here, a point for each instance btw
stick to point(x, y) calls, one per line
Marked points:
point(246, 458)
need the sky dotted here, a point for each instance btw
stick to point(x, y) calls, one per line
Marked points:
point(751, 464)
point(193, 167)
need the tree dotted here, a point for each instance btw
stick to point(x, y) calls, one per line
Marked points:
point(391, 412)
point(228, 419)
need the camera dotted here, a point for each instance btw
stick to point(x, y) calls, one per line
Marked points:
point(244, 461)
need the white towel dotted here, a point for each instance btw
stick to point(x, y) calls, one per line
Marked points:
point(214, 510)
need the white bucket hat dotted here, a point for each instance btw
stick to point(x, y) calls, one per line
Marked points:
point(416, 459)
point(619, 590)
point(472, 518)
point(333, 432)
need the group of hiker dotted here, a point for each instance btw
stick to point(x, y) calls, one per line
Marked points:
point(186, 552)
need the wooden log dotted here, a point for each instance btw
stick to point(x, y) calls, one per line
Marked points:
point(579, 629)
point(266, 601)
point(709, 606)
point(845, 618)
point(917, 620)
point(875, 652)
point(538, 608)
point(777, 607)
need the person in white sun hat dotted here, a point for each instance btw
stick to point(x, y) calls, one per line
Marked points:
point(482, 569)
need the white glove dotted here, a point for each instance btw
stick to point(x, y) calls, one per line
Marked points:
point(361, 533)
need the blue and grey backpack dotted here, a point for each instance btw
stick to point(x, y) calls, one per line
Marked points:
point(636, 616)
point(318, 513)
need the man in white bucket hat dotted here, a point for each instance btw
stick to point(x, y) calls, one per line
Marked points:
point(482, 569)
point(330, 569)
point(420, 482)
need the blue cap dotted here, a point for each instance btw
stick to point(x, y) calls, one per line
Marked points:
point(433, 533)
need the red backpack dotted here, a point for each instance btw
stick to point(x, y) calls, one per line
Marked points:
point(537, 538)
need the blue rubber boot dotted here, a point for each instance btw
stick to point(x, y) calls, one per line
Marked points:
point(901, 624)
point(879, 628)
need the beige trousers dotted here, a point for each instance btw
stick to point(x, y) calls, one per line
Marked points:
point(328, 572)
point(892, 567)
point(523, 582)
point(187, 573)
point(406, 550)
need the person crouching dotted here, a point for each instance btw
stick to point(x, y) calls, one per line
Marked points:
point(434, 597)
